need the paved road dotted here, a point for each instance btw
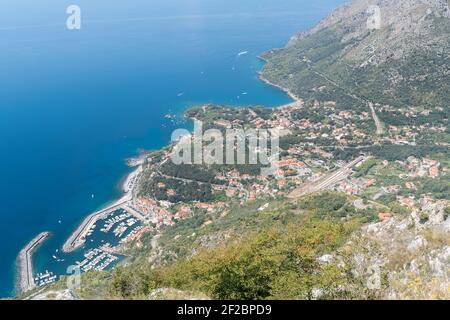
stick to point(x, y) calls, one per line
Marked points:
point(376, 119)
point(352, 95)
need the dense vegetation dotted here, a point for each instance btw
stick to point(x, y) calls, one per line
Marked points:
point(272, 254)
point(272, 264)
point(159, 188)
point(392, 152)
point(188, 172)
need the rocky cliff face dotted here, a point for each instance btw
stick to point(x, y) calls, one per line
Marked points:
point(396, 19)
point(387, 28)
point(391, 48)
point(415, 258)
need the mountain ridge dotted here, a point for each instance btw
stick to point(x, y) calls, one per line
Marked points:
point(390, 64)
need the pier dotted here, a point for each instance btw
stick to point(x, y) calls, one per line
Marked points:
point(78, 238)
point(25, 262)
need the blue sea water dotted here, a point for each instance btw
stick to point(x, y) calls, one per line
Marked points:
point(75, 104)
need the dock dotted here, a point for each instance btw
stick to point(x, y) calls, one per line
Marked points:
point(78, 237)
point(25, 263)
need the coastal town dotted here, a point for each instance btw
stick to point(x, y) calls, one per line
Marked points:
point(389, 160)
point(309, 138)
point(313, 199)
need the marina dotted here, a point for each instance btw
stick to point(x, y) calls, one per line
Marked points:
point(125, 204)
point(101, 242)
point(96, 259)
point(98, 235)
point(78, 238)
point(45, 278)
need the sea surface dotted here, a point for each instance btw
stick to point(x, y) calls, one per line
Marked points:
point(75, 104)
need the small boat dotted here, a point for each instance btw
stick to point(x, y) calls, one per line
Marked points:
point(170, 116)
point(242, 53)
point(180, 94)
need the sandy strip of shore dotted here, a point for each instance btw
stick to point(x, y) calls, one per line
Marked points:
point(130, 181)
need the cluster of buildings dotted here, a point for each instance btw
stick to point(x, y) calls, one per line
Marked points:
point(354, 186)
point(419, 168)
point(303, 161)
point(407, 130)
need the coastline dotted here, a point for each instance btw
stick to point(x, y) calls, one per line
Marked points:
point(261, 77)
point(130, 179)
point(122, 184)
point(25, 274)
point(286, 90)
point(78, 236)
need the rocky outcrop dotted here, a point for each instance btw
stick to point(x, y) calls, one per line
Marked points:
point(384, 29)
point(416, 257)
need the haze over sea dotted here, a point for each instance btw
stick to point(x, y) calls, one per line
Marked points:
point(75, 104)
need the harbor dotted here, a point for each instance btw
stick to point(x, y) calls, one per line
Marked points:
point(103, 236)
point(105, 229)
point(45, 278)
point(78, 237)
